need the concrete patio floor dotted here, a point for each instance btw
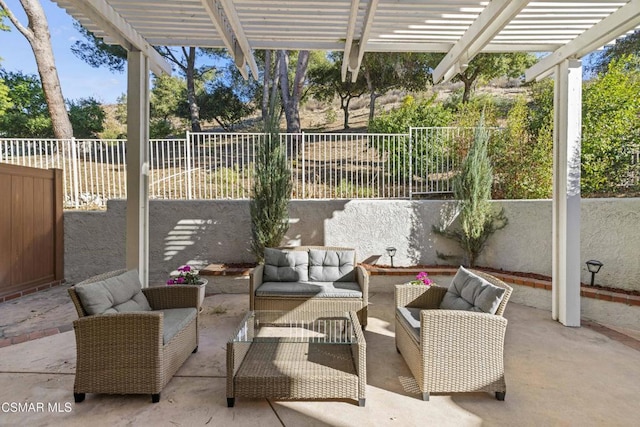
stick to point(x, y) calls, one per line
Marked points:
point(555, 376)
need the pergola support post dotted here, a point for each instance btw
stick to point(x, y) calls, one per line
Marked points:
point(567, 123)
point(137, 237)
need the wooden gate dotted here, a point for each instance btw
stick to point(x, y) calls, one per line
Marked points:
point(31, 230)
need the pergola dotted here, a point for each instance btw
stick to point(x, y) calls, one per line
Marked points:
point(566, 30)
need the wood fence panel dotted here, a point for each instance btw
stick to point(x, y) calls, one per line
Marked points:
point(31, 230)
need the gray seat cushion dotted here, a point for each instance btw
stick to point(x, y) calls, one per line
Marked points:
point(310, 289)
point(122, 293)
point(285, 266)
point(175, 320)
point(331, 266)
point(471, 292)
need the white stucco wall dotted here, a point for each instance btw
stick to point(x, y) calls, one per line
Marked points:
point(203, 232)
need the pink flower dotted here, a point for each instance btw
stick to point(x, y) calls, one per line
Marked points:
point(422, 278)
point(186, 276)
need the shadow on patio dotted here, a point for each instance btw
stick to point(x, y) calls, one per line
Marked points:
point(555, 375)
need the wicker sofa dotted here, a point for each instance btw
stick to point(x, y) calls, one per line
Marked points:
point(136, 345)
point(452, 350)
point(311, 278)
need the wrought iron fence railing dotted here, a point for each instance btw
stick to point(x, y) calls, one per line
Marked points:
point(220, 165)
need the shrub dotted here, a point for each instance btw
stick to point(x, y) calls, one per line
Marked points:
point(272, 187)
point(611, 126)
point(411, 114)
point(477, 220)
point(523, 164)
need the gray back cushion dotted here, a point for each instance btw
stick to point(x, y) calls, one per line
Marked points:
point(285, 266)
point(471, 292)
point(331, 266)
point(113, 295)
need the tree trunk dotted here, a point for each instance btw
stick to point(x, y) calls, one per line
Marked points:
point(194, 110)
point(291, 97)
point(468, 81)
point(372, 104)
point(372, 95)
point(467, 90)
point(265, 85)
point(344, 104)
point(37, 34)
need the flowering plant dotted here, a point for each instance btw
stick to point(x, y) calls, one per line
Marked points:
point(186, 276)
point(422, 279)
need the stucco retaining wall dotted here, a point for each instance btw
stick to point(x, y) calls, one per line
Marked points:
point(204, 232)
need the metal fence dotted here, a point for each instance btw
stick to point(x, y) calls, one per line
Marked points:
point(220, 165)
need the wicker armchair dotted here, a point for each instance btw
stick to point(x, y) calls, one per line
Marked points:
point(123, 353)
point(454, 350)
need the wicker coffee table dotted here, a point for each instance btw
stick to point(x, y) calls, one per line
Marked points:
point(297, 355)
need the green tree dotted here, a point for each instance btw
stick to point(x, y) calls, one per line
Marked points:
point(425, 113)
point(325, 80)
point(628, 45)
point(611, 125)
point(37, 34)
point(222, 104)
point(96, 53)
point(522, 162)
point(477, 220)
point(167, 100)
point(3, 26)
point(87, 118)
point(383, 71)
point(27, 115)
point(487, 66)
point(5, 100)
point(4, 90)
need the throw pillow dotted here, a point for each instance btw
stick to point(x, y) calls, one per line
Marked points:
point(471, 292)
point(331, 266)
point(116, 294)
point(285, 266)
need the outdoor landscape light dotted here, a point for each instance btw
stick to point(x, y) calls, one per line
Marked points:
point(594, 266)
point(391, 251)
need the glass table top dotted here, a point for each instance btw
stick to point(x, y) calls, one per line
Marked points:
point(298, 326)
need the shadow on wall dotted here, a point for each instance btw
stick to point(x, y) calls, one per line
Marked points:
point(197, 233)
point(424, 244)
point(182, 236)
point(308, 220)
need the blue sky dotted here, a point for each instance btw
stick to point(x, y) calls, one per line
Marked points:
point(78, 79)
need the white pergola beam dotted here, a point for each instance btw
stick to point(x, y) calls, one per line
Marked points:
point(241, 38)
point(230, 41)
point(354, 65)
point(618, 23)
point(491, 20)
point(567, 124)
point(104, 16)
point(348, 44)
